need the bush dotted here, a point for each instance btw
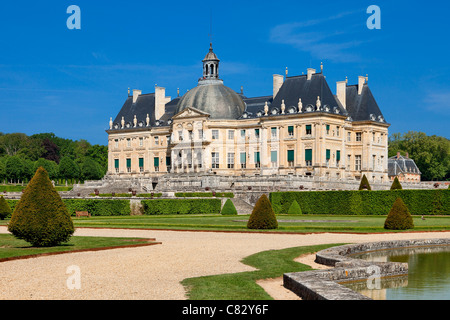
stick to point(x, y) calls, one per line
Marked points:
point(204, 194)
point(41, 217)
point(229, 208)
point(396, 185)
point(364, 185)
point(5, 210)
point(181, 206)
point(399, 217)
point(97, 207)
point(262, 216)
point(295, 208)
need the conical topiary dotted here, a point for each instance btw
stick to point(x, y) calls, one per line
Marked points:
point(41, 217)
point(399, 217)
point(396, 185)
point(5, 209)
point(262, 216)
point(229, 208)
point(364, 185)
point(295, 208)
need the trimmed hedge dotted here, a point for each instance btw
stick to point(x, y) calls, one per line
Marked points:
point(346, 202)
point(181, 206)
point(204, 195)
point(229, 208)
point(96, 207)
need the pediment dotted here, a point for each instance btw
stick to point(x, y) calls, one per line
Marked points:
point(190, 112)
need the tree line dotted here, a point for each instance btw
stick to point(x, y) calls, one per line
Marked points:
point(64, 159)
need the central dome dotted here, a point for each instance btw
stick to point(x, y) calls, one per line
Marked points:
point(210, 95)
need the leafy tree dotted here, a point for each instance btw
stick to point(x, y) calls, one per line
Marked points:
point(5, 209)
point(41, 217)
point(50, 166)
point(68, 169)
point(14, 168)
point(364, 184)
point(262, 216)
point(399, 217)
point(51, 150)
point(90, 170)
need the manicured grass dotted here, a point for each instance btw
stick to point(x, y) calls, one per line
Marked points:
point(294, 223)
point(11, 247)
point(242, 285)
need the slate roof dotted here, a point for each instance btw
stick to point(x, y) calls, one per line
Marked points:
point(362, 107)
point(401, 165)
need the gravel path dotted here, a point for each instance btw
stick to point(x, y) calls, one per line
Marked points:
point(154, 272)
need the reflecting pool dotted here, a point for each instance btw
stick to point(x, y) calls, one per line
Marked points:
point(428, 275)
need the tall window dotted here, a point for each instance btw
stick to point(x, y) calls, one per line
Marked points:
point(349, 161)
point(358, 136)
point(291, 131)
point(116, 143)
point(116, 165)
point(230, 134)
point(215, 134)
point(230, 160)
point(328, 129)
point(180, 135)
point(308, 157)
point(338, 157)
point(374, 159)
point(349, 136)
point(141, 164)
point(257, 160)
point(308, 130)
point(273, 158)
point(141, 142)
point(128, 142)
point(358, 163)
point(273, 133)
point(128, 165)
point(290, 158)
point(243, 134)
point(243, 160)
point(327, 157)
point(257, 133)
point(215, 160)
point(156, 141)
point(200, 134)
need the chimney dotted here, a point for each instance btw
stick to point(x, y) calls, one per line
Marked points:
point(136, 94)
point(311, 71)
point(361, 82)
point(160, 102)
point(341, 92)
point(277, 83)
point(407, 155)
point(398, 154)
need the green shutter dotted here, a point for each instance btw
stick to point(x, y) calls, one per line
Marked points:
point(128, 163)
point(116, 163)
point(243, 157)
point(273, 156)
point(156, 161)
point(328, 154)
point(257, 159)
point(168, 161)
point(308, 127)
point(257, 132)
point(328, 127)
point(308, 154)
point(141, 162)
point(291, 129)
point(338, 155)
point(290, 155)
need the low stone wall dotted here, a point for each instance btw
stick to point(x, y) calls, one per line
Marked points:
point(324, 284)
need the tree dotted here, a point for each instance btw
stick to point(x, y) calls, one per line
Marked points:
point(364, 185)
point(41, 217)
point(396, 184)
point(14, 168)
point(399, 217)
point(229, 208)
point(262, 216)
point(50, 166)
point(295, 208)
point(5, 209)
point(68, 169)
point(90, 170)
point(51, 150)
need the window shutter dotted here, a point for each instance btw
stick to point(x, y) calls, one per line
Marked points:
point(128, 163)
point(308, 154)
point(257, 157)
point(243, 157)
point(338, 155)
point(290, 155)
point(328, 154)
point(156, 161)
point(273, 156)
point(141, 162)
point(116, 163)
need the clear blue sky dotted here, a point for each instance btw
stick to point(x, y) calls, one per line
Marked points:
point(70, 82)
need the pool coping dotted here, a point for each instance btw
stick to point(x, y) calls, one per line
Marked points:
point(324, 284)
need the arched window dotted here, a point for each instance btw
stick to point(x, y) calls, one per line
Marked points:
point(212, 69)
point(206, 66)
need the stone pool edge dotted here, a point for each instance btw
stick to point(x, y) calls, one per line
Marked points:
point(324, 284)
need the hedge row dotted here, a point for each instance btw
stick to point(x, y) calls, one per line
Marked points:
point(204, 194)
point(181, 206)
point(93, 206)
point(126, 195)
point(419, 202)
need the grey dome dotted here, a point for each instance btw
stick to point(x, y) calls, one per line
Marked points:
point(212, 97)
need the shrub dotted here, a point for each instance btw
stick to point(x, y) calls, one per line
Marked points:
point(262, 216)
point(41, 217)
point(396, 185)
point(99, 207)
point(5, 210)
point(229, 208)
point(295, 208)
point(399, 217)
point(364, 185)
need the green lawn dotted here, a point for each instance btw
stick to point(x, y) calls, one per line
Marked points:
point(12, 247)
point(287, 223)
point(242, 285)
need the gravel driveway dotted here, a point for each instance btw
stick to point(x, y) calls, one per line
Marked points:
point(154, 272)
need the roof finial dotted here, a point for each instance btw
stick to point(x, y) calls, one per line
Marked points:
point(286, 71)
point(321, 67)
point(178, 92)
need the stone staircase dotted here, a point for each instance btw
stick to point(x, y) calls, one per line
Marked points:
point(241, 206)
